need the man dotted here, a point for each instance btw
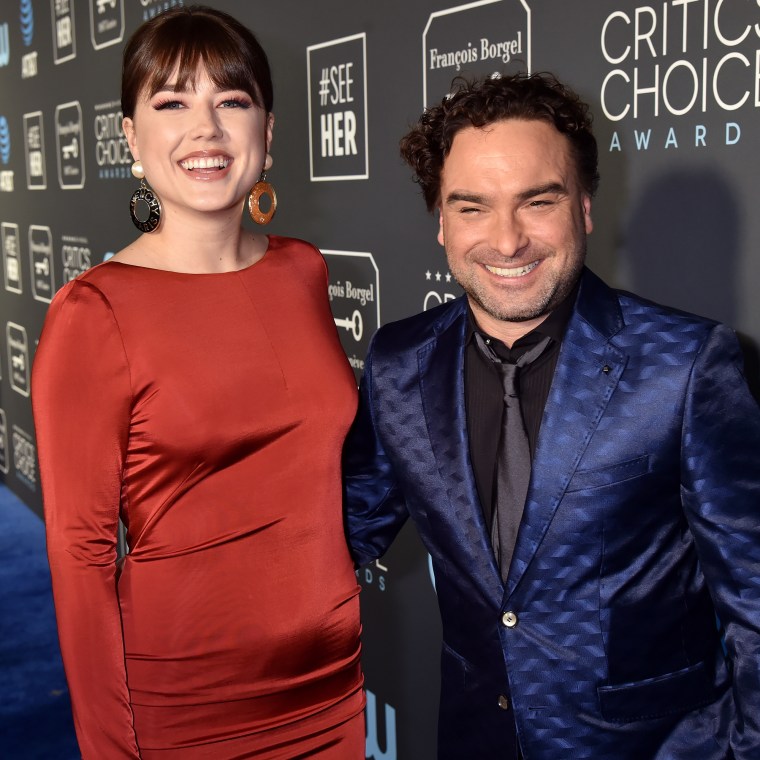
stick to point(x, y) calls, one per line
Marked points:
point(579, 613)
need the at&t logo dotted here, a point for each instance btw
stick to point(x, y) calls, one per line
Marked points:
point(27, 22)
point(28, 61)
point(6, 175)
point(5, 141)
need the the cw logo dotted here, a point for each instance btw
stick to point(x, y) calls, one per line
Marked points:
point(373, 751)
point(5, 48)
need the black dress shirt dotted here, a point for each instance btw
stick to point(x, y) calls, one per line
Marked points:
point(484, 395)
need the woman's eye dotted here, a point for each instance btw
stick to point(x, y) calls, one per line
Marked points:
point(236, 103)
point(168, 105)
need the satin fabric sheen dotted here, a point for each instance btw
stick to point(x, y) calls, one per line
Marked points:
point(209, 412)
point(642, 523)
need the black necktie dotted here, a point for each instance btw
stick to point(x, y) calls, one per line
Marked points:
point(512, 457)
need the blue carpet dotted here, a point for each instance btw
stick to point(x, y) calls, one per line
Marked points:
point(35, 712)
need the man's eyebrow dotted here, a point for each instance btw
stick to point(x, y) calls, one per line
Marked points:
point(457, 196)
point(549, 187)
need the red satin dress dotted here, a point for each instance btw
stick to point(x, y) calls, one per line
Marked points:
point(209, 412)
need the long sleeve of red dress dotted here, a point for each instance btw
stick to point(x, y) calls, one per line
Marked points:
point(208, 412)
point(81, 398)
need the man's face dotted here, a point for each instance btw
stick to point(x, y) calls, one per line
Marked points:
point(514, 221)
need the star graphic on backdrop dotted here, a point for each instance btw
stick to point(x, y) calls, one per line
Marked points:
point(428, 274)
point(448, 276)
point(437, 276)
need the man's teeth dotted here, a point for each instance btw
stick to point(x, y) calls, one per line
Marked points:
point(516, 272)
point(217, 162)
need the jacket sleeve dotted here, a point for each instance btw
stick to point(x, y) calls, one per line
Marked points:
point(375, 506)
point(721, 496)
point(81, 401)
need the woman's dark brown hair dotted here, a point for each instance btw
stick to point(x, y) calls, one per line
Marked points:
point(495, 98)
point(186, 39)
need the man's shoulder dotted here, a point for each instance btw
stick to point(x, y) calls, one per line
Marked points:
point(414, 332)
point(638, 313)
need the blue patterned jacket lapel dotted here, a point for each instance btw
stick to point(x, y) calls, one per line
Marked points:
point(441, 368)
point(588, 370)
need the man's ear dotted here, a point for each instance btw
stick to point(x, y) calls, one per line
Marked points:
point(587, 214)
point(440, 227)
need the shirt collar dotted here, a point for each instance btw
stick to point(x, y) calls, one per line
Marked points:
point(554, 325)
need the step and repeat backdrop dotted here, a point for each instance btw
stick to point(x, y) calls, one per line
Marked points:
point(675, 89)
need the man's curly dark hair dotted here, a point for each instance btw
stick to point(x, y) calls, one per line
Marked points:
point(481, 102)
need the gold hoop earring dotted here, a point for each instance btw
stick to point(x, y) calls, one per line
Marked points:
point(145, 208)
point(262, 187)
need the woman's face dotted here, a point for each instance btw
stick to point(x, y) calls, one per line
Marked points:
point(202, 149)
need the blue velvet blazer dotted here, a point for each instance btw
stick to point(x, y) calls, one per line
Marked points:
point(642, 524)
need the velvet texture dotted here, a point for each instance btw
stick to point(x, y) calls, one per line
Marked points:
point(209, 412)
point(642, 522)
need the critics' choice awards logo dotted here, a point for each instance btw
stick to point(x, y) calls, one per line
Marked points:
point(34, 148)
point(4, 458)
point(41, 263)
point(6, 175)
point(111, 150)
point(76, 256)
point(355, 302)
point(680, 74)
point(18, 358)
point(471, 40)
point(106, 22)
point(64, 37)
point(9, 235)
point(337, 81)
point(440, 287)
point(375, 740)
point(24, 457)
point(68, 138)
point(152, 8)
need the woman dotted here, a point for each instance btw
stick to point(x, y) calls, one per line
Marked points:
point(195, 387)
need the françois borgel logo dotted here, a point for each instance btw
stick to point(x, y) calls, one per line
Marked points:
point(68, 137)
point(34, 148)
point(4, 457)
point(661, 88)
point(24, 458)
point(6, 175)
point(18, 357)
point(106, 22)
point(26, 19)
point(337, 81)
point(64, 31)
point(478, 38)
point(41, 263)
point(355, 302)
point(9, 235)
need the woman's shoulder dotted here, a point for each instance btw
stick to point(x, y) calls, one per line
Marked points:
point(293, 246)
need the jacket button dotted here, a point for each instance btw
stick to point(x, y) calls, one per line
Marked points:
point(503, 702)
point(509, 619)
